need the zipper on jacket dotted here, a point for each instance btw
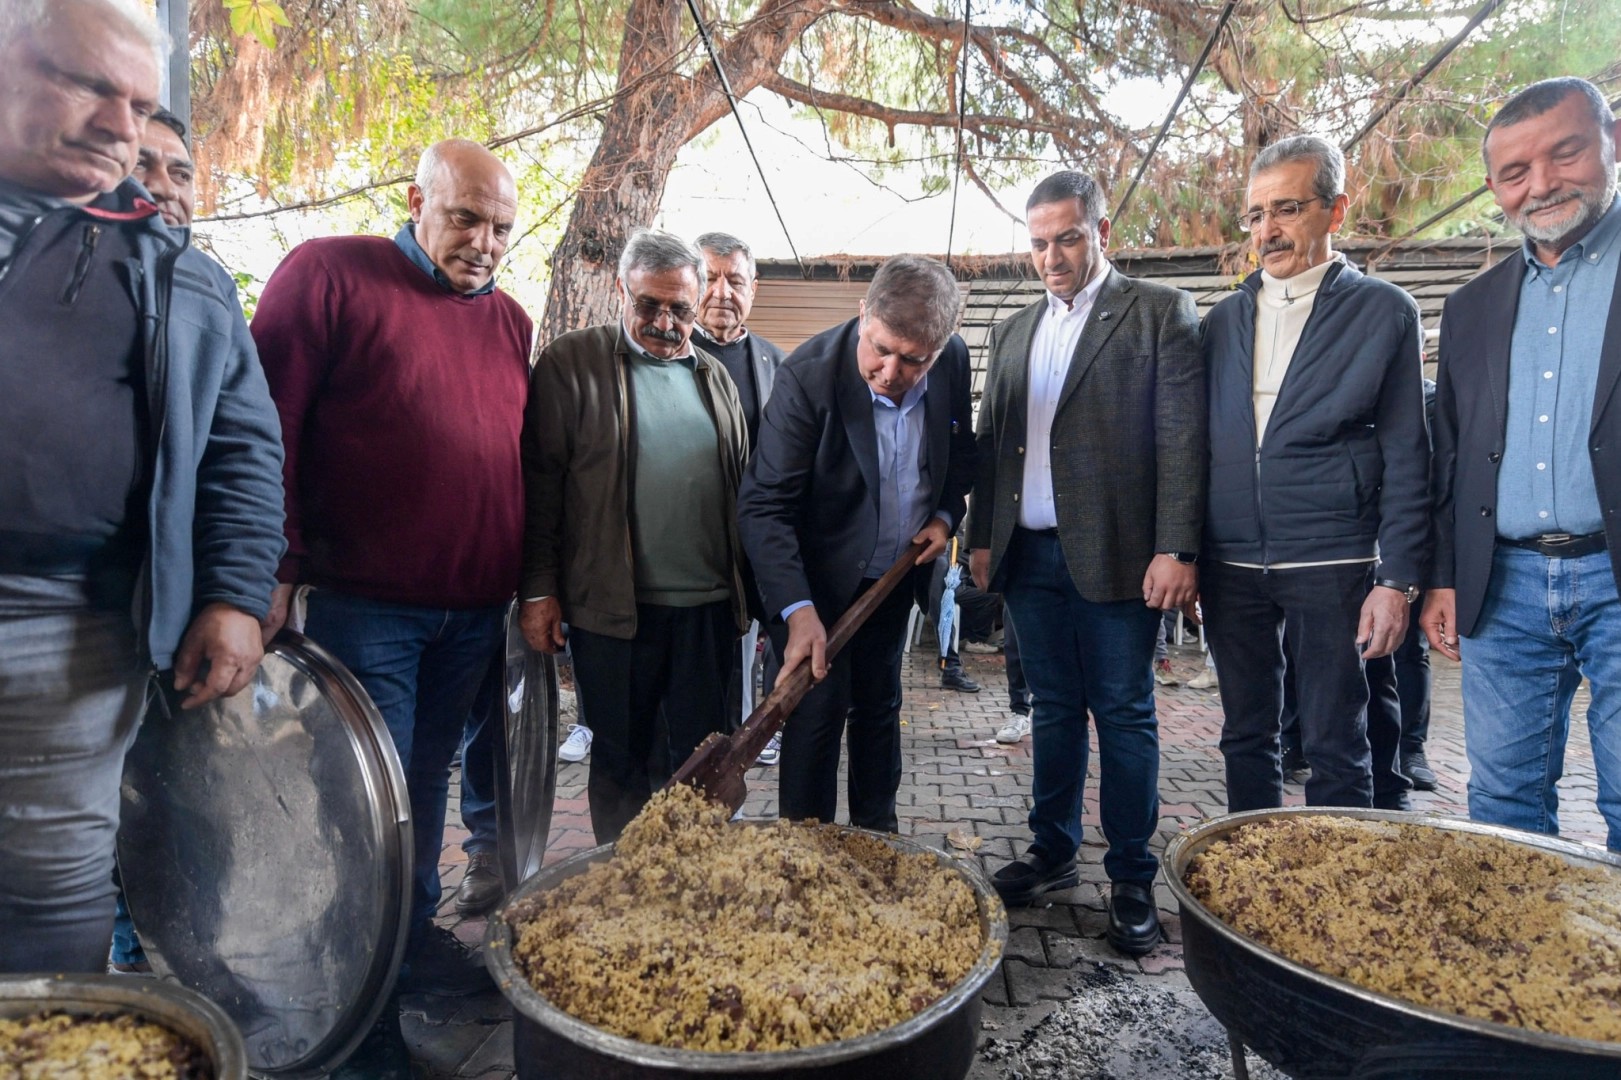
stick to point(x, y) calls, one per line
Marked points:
point(1260, 519)
point(157, 383)
point(81, 269)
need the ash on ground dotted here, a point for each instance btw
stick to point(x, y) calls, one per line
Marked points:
point(1117, 1028)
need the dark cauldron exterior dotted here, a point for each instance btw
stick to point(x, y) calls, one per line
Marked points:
point(936, 1044)
point(170, 1004)
point(1314, 1026)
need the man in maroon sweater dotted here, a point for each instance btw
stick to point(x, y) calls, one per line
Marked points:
point(401, 374)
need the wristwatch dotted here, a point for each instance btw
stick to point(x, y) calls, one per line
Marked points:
point(1188, 557)
point(1411, 592)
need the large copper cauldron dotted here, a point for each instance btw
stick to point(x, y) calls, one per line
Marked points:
point(1312, 1025)
point(154, 1000)
point(936, 1044)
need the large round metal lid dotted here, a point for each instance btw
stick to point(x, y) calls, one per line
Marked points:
point(526, 759)
point(265, 853)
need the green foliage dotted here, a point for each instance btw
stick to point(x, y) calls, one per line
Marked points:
point(257, 17)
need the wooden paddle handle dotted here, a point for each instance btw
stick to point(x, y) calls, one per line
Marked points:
point(766, 720)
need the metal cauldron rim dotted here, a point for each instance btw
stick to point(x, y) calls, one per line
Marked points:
point(532, 1005)
point(160, 1001)
point(1182, 848)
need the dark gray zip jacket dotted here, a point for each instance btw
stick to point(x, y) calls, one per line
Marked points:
point(215, 507)
point(1343, 472)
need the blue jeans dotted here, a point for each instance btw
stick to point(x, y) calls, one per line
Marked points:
point(1545, 624)
point(1078, 656)
point(422, 668)
point(478, 759)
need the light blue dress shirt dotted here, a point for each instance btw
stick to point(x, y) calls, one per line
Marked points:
point(903, 478)
point(1545, 483)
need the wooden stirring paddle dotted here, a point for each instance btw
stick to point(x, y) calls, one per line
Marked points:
point(716, 768)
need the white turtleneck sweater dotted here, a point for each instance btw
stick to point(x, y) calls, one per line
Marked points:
point(1281, 311)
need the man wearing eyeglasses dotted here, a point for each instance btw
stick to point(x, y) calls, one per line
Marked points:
point(633, 449)
point(1318, 488)
point(866, 448)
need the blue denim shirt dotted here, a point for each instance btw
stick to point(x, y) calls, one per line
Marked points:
point(1545, 484)
point(406, 238)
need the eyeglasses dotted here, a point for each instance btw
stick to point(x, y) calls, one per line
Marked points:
point(649, 310)
point(1281, 212)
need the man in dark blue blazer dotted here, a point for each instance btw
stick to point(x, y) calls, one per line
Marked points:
point(866, 447)
point(1527, 474)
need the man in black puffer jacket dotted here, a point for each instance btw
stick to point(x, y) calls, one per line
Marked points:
point(1319, 474)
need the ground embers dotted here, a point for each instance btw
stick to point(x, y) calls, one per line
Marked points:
point(1117, 1028)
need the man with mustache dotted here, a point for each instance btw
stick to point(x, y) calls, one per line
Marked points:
point(1086, 519)
point(633, 449)
point(140, 493)
point(1527, 477)
point(400, 372)
point(1318, 491)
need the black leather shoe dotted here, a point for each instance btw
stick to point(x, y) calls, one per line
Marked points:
point(480, 889)
point(440, 964)
point(1133, 917)
point(1416, 768)
point(1031, 875)
point(382, 1055)
point(955, 678)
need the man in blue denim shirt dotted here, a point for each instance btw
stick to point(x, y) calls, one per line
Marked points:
point(1525, 481)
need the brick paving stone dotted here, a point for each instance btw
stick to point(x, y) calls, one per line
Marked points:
point(958, 777)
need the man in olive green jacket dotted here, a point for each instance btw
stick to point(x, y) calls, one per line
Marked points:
point(633, 448)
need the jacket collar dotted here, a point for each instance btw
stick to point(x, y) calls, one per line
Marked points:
point(1341, 275)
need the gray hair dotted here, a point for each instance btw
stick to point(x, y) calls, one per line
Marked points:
point(657, 251)
point(1070, 184)
point(18, 17)
point(725, 244)
point(1329, 181)
point(916, 297)
point(1544, 96)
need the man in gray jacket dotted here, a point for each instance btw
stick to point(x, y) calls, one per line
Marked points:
point(633, 448)
point(1086, 518)
point(1319, 489)
point(140, 468)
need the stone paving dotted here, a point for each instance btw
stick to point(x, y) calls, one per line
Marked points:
point(960, 780)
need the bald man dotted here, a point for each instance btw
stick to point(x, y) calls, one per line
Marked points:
point(401, 372)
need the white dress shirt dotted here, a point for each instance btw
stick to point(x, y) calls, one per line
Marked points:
point(1051, 351)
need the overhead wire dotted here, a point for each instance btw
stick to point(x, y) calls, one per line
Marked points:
point(962, 109)
point(1176, 106)
point(731, 99)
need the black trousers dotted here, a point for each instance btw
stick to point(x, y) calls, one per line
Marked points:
point(1246, 611)
point(858, 702)
point(679, 662)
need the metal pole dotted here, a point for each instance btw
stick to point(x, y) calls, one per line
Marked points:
point(174, 16)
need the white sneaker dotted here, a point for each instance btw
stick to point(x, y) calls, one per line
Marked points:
point(1015, 729)
point(1205, 680)
point(577, 745)
point(772, 752)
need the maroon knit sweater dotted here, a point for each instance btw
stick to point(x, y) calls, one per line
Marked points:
point(401, 405)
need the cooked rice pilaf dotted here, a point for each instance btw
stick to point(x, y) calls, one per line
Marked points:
point(1473, 925)
point(60, 1046)
point(706, 935)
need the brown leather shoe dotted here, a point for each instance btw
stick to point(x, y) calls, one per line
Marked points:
point(481, 888)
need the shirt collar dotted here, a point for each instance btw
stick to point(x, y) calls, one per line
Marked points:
point(636, 348)
point(698, 328)
point(406, 238)
point(1302, 284)
point(1083, 299)
point(1594, 246)
point(909, 399)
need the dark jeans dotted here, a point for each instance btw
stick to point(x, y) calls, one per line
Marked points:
point(422, 668)
point(860, 703)
point(1078, 656)
point(1246, 612)
point(1018, 690)
point(680, 662)
point(1390, 784)
point(1413, 681)
point(478, 760)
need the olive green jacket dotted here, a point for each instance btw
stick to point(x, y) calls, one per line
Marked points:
point(578, 448)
